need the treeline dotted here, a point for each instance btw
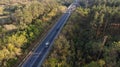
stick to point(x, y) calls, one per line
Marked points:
point(31, 21)
point(85, 40)
point(65, 2)
point(90, 3)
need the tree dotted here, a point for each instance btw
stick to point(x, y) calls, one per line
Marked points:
point(92, 64)
point(61, 51)
point(17, 40)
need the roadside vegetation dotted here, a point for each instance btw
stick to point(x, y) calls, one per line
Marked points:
point(91, 37)
point(29, 21)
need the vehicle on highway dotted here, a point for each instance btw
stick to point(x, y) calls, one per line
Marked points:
point(47, 44)
point(57, 29)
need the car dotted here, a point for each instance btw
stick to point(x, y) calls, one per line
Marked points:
point(47, 44)
point(57, 29)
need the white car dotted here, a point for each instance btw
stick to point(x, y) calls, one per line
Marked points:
point(47, 44)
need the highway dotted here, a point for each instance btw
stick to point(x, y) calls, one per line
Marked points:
point(37, 57)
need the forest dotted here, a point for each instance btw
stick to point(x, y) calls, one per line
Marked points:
point(91, 37)
point(23, 24)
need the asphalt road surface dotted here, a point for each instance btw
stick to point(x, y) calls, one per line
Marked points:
point(39, 54)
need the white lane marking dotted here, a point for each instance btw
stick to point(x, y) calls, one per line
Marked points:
point(36, 56)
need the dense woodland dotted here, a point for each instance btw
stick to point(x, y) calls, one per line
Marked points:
point(30, 20)
point(91, 37)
